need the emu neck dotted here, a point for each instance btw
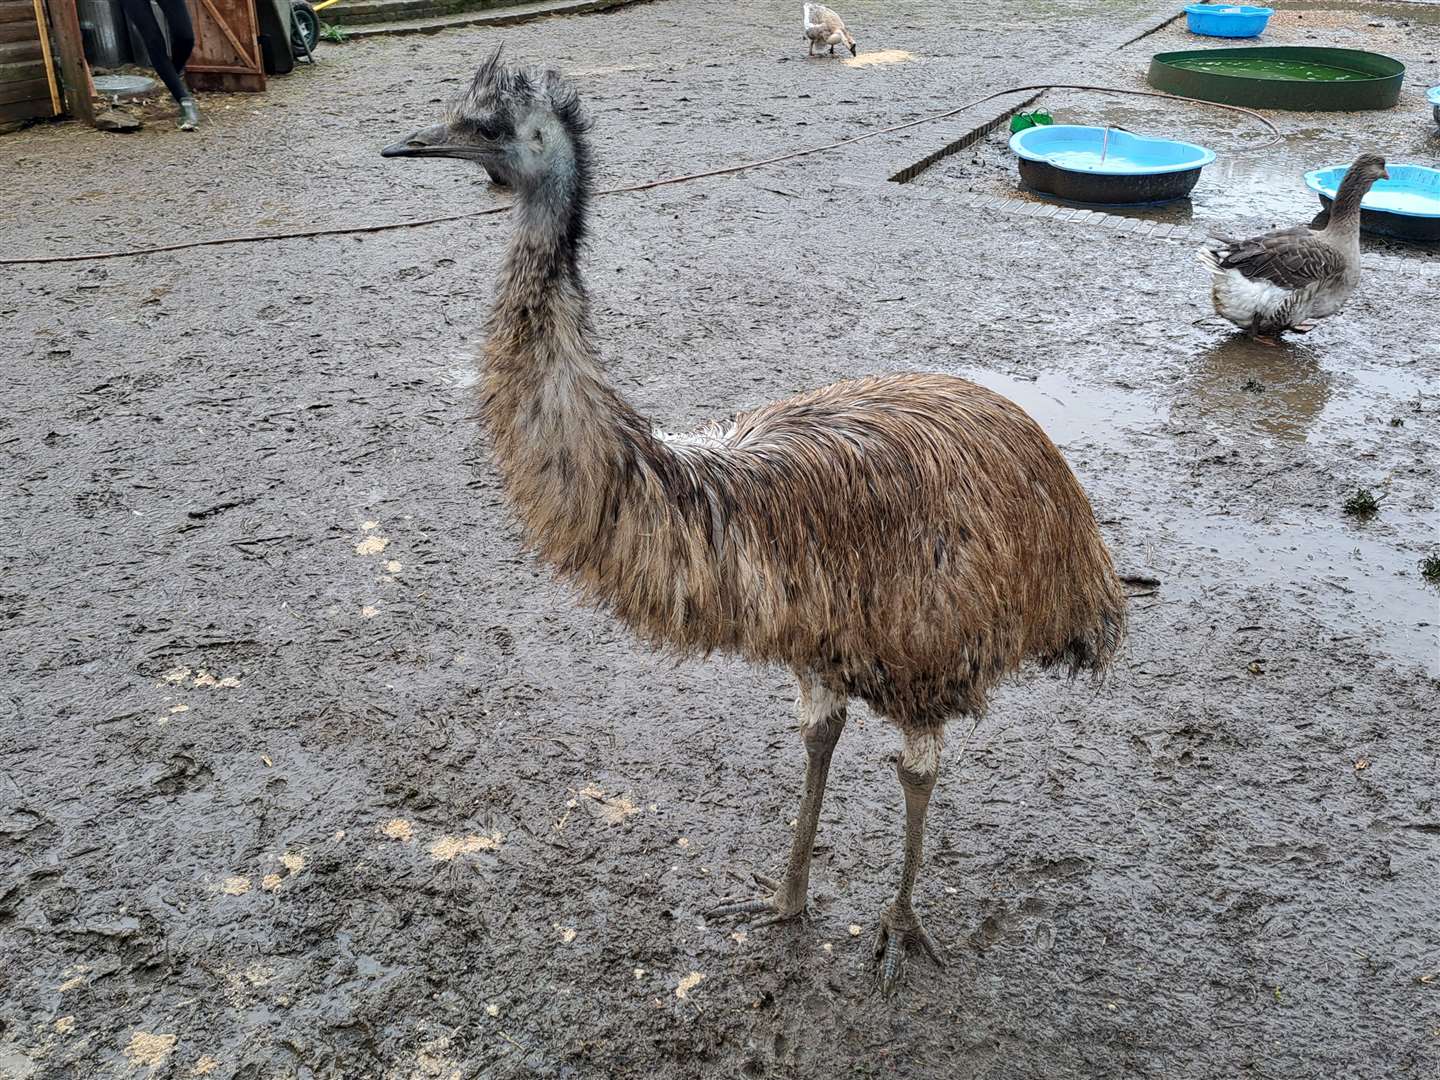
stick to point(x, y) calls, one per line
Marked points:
point(564, 439)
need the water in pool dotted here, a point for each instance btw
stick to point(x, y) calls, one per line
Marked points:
point(1404, 202)
point(1090, 161)
point(1281, 70)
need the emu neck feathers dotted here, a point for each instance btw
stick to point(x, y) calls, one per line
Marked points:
point(588, 480)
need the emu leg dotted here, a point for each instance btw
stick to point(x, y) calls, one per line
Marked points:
point(918, 767)
point(822, 718)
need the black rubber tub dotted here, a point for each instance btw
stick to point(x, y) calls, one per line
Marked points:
point(1104, 189)
point(1299, 78)
point(1399, 226)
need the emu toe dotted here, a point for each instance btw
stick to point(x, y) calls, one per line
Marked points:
point(897, 930)
point(778, 907)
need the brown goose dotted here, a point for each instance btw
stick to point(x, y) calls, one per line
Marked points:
point(824, 27)
point(1281, 280)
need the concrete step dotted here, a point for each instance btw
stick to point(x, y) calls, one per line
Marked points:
point(362, 12)
point(455, 13)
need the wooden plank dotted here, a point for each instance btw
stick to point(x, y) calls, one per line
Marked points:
point(17, 11)
point(52, 84)
point(31, 69)
point(20, 52)
point(65, 21)
point(33, 109)
point(37, 90)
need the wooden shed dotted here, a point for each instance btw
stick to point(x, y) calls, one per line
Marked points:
point(29, 87)
point(43, 72)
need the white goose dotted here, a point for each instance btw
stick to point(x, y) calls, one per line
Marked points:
point(824, 27)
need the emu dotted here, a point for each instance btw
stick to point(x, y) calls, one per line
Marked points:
point(904, 539)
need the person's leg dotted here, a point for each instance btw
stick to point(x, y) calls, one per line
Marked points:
point(142, 16)
point(182, 32)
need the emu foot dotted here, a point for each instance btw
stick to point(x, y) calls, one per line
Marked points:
point(899, 927)
point(778, 907)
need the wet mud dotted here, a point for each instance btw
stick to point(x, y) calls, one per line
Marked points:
point(307, 771)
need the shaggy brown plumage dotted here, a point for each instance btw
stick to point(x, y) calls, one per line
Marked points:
point(905, 539)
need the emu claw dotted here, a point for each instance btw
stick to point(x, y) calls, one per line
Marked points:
point(894, 934)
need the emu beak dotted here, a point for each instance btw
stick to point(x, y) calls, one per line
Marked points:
point(1384, 173)
point(852, 50)
point(433, 141)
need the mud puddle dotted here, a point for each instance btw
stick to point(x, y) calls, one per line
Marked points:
point(1357, 578)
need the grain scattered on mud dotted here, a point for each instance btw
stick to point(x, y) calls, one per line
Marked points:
point(448, 847)
point(205, 1066)
point(150, 1048)
point(65, 1024)
point(688, 983)
point(399, 829)
point(879, 56)
point(371, 545)
point(235, 886)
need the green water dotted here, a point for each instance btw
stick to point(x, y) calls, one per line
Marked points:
point(1279, 70)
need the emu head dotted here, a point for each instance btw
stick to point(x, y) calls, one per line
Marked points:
point(523, 126)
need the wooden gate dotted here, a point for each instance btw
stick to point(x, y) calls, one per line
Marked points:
point(227, 56)
point(28, 87)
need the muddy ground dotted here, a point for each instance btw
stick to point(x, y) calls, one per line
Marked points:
point(306, 771)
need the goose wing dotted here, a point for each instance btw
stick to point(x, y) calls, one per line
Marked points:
point(820, 17)
point(1291, 258)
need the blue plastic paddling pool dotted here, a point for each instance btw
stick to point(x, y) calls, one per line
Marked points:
point(1106, 165)
point(1407, 205)
point(1227, 20)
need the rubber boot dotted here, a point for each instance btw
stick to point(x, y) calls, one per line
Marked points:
point(189, 114)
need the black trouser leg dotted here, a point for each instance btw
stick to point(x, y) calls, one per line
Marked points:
point(142, 16)
point(182, 33)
